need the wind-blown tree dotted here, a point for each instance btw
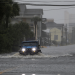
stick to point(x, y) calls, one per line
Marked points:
point(11, 11)
point(8, 9)
point(36, 19)
point(15, 35)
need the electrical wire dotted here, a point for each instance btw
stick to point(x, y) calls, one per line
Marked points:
point(50, 9)
point(58, 9)
point(45, 1)
point(63, 19)
point(48, 4)
point(53, 5)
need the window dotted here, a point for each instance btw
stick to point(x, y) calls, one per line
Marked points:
point(55, 37)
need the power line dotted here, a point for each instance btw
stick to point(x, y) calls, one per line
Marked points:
point(48, 4)
point(64, 19)
point(58, 9)
point(45, 1)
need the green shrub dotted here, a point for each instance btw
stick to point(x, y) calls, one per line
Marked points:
point(13, 36)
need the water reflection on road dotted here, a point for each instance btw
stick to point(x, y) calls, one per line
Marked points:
point(40, 74)
point(52, 61)
point(28, 74)
point(59, 50)
point(49, 52)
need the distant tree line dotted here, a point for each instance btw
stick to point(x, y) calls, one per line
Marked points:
point(11, 35)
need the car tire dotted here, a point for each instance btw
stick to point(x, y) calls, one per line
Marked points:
point(40, 51)
point(31, 54)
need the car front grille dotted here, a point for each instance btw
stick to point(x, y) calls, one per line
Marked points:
point(28, 49)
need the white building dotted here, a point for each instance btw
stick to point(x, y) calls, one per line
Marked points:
point(69, 21)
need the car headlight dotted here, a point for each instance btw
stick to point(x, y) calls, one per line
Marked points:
point(33, 49)
point(23, 49)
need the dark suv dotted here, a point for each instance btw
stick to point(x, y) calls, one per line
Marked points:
point(30, 47)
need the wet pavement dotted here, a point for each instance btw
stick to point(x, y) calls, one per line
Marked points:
point(59, 65)
point(50, 62)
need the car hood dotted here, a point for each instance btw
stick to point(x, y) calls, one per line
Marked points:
point(28, 46)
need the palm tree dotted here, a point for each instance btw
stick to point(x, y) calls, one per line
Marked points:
point(36, 19)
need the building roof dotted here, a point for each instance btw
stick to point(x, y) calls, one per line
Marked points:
point(24, 11)
point(72, 24)
point(53, 24)
point(33, 11)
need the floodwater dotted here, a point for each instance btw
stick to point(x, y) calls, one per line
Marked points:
point(54, 60)
point(49, 52)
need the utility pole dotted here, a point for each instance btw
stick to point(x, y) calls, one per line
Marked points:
point(72, 36)
point(66, 34)
point(62, 36)
point(50, 38)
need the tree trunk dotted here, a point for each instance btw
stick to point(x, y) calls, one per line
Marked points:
point(35, 23)
point(35, 31)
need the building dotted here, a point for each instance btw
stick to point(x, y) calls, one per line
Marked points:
point(43, 27)
point(69, 22)
point(26, 15)
point(56, 31)
point(56, 34)
point(43, 34)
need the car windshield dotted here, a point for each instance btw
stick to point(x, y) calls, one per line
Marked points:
point(29, 44)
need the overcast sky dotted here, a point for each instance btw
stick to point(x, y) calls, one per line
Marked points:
point(52, 12)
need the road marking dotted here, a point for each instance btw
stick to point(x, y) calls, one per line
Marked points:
point(23, 74)
point(15, 54)
point(10, 69)
point(7, 70)
point(33, 74)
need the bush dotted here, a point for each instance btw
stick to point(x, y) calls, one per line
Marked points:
point(13, 36)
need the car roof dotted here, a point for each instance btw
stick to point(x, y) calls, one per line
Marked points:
point(31, 41)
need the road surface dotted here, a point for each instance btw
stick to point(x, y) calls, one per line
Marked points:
point(55, 60)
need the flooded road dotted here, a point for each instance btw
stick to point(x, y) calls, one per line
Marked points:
point(58, 60)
